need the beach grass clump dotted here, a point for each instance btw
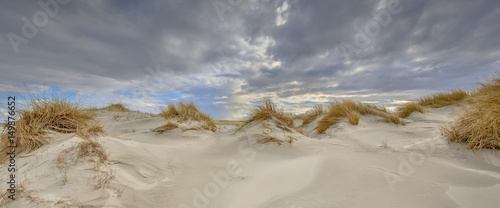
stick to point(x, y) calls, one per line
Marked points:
point(442, 99)
point(183, 112)
point(352, 111)
point(166, 127)
point(267, 110)
point(272, 139)
point(40, 114)
point(312, 115)
point(409, 108)
point(117, 107)
point(479, 125)
point(437, 100)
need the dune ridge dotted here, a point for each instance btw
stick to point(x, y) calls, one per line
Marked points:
point(184, 158)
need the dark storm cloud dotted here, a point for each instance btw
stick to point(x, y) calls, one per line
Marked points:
point(119, 39)
point(453, 38)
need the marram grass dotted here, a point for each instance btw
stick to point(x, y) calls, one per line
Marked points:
point(352, 111)
point(479, 125)
point(117, 107)
point(267, 110)
point(41, 114)
point(437, 100)
point(185, 112)
point(312, 115)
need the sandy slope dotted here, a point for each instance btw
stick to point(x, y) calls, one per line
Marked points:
point(374, 164)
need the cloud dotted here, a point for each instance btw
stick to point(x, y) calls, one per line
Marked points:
point(138, 52)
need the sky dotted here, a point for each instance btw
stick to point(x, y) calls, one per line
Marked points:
point(226, 55)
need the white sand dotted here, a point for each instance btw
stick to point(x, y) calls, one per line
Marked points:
point(374, 164)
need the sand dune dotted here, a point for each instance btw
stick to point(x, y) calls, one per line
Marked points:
point(374, 164)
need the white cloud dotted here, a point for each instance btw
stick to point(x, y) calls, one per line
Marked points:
point(282, 14)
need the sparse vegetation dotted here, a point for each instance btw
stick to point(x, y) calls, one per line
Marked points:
point(352, 110)
point(185, 112)
point(479, 126)
point(312, 115)
point(434, 101)
point(291, 139)
point(86, 149)
point(89, 130)
point(407, 109)
point(283, 127)
point(41, 114)
point(271, 139)
point(117, 107)
point(229, 122)
point(21, 192)
point(444, 99)
point(167, 127)
point(266, 110)
point(92, 148)
point(102, 175)
point(299, 129)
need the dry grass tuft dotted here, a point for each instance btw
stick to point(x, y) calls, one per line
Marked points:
point(266, 110)
point(87, 149)
point(353, 117)
point(444, 99)
point(167, 127)
point(186, 112)
point(352, 110)
point(407, 109)
point(291, 139)
point(270, 139)
point(41, 114)
point(118, 107)
point(312, 115)
point(299, 129)
point(92, 148)
point(102, 176)
point(437, 100)
point(283, 127)
point(479, 126)
point(89, 130)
